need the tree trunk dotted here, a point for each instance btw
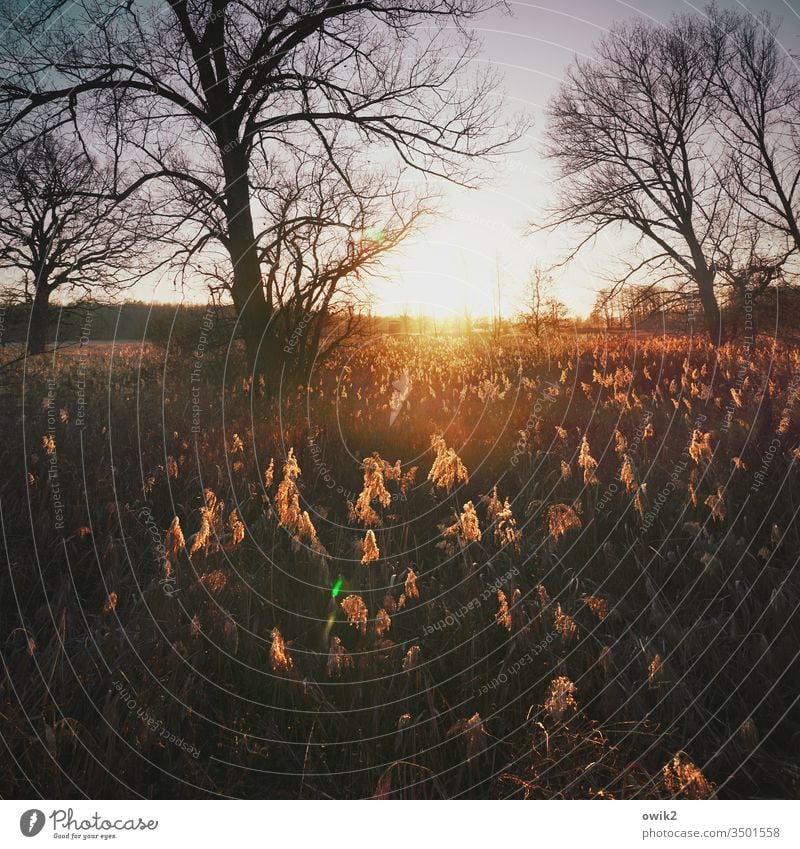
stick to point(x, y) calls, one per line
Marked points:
point(252, 310)
point(711, 312)
point(39, 320)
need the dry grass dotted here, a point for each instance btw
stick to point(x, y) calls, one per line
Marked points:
point(582, 593)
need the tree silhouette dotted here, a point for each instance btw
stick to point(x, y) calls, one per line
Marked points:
point(756, 90)
point(678, 133)
point(57, 230)
point(317, 243)
point(627, 132)
point(206, 95)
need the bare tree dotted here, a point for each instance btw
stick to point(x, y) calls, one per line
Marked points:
point(557, 313)
point(757, 94)
point(201, 94)
point(602, 313)
point(745, 274)
point(56, 230)
point(629, 131)
point(321, 242)
point(633, 306)
point(497, 306)
point(538, 308)
point(687, 134)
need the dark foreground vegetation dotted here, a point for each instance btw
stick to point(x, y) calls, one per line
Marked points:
point(580, 580)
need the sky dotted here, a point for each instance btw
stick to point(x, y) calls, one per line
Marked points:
point(483, 235)
point(454, 262)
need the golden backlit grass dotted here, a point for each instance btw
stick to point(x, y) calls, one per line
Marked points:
point(575, 577)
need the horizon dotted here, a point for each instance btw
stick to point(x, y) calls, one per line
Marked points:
point(454, 261)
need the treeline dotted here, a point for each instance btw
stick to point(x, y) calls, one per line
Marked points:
point(775, 310)
point(130, 321)
point(182, 325)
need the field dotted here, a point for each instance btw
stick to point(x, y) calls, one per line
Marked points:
point(452, 567)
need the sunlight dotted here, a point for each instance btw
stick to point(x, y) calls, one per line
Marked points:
point(442, 278)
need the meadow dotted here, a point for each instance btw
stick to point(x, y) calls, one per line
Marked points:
point(453, 566)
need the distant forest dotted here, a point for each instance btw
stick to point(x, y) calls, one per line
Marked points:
point(183, 324)
point(125, 321)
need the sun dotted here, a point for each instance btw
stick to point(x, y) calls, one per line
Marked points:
point(439, 278)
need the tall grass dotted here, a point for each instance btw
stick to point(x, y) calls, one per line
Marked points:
point(562, 572)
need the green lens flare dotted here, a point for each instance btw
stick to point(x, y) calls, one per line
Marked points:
point(337, 588)
point(373, 234)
